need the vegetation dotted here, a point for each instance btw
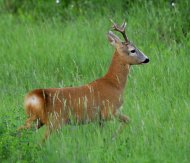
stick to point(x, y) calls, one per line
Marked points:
point(46, 47)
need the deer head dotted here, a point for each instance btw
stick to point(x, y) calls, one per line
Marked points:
point(126, 49)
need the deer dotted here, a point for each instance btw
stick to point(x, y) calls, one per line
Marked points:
point(98, 101)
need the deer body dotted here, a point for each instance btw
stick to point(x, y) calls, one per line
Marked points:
point(99, 100)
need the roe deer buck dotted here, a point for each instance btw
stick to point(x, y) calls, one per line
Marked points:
point(99, 100)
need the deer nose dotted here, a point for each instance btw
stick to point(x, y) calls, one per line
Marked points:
point(146, 60)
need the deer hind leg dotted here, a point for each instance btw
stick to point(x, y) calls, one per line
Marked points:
point(54, 124)
point(28, 123)
point(123, 118)
point(47, 133)
point(124, 121)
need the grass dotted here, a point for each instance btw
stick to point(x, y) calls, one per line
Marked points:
point(53, 54)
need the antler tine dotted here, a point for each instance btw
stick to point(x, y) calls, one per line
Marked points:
point(124, 25)
point(120, 29)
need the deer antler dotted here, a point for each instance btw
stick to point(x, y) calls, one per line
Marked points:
point(120, 29)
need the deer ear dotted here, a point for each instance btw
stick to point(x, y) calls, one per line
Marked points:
point(113, 39)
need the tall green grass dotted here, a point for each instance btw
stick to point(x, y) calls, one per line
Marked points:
point(55, 54)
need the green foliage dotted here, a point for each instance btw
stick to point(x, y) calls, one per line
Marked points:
point(14, 145)
point(42, 49)
point(63, 10)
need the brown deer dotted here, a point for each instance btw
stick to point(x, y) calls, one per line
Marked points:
point(99, 100)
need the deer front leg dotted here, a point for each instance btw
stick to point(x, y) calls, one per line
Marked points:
point(28, 123)
point(124, 121)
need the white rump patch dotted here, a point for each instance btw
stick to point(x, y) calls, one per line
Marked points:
point(32, 100)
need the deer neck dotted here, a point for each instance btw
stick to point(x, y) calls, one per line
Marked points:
point(118, 71)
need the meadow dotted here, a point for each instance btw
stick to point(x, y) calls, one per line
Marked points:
point(71, 53)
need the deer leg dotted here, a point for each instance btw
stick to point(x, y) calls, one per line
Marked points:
point(28, 123)
point(101, 123)
point(54, 124)
point(101, 120)
point(47, 133)
point(124, 121)
point(123, 118)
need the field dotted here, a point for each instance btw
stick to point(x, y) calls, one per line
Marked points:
point(72, 53)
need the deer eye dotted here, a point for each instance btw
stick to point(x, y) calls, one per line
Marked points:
point(133, 51)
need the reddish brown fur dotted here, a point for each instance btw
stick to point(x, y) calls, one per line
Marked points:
point(98, 100)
